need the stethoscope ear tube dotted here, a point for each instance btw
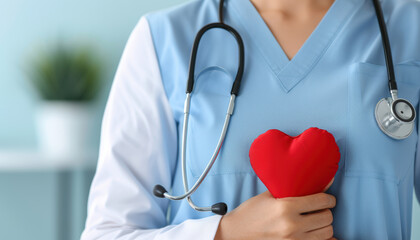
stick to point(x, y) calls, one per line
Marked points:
point(217, 208)
point(159, 191)
point(237, 83)
point(392, 84)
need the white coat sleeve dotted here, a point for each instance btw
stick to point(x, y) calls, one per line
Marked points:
point(138, 150)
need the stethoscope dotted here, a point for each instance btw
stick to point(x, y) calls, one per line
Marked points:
point(395, 116)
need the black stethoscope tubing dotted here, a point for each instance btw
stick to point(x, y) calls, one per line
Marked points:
point(392, 84)
point(237, 83)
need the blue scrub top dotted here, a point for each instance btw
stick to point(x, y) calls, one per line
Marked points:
point(333, 83)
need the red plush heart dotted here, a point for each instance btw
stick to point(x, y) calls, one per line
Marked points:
point(295, 166)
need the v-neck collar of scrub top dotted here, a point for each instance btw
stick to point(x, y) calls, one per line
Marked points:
point(291, 72)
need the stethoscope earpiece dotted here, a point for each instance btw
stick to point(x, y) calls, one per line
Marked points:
point(219, 208)
point(159, 191)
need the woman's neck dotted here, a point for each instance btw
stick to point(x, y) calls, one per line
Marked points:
point(292, 21)
point(291, 7)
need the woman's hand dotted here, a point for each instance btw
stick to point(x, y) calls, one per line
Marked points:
point(265, 217)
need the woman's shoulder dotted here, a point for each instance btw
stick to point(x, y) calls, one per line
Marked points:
point(403, 26)
point(182, 11)
point(409, 8)
point(405, 12)
point(182, 19)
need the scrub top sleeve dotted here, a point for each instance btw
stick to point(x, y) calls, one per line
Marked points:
point(138, 150)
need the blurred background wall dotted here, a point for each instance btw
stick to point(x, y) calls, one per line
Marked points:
point(27, 25)
point(41, 200)
point(48, 201)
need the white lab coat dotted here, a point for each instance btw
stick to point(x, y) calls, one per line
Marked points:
point(137, 121)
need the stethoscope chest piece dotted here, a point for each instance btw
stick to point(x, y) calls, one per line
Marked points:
point(395, 117)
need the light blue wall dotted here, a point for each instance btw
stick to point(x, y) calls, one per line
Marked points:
point(51, 205)
point(27, 25)
point(43, 205)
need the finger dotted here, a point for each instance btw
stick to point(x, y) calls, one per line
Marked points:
point(314, 202)
point(322, 233)
point(316, 220)
point(329, 185)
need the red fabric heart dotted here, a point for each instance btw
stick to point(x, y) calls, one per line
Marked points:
point(295, 166)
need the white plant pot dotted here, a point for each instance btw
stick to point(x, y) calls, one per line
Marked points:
point(64, 130)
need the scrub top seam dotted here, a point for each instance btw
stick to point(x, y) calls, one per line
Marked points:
point(164, 88)
point(410, 62)
point(251, 172)
point(288, 83)
point(358, 173)
point(372, 175)
point(274, 69)
point(333, 39)
point(408, 168)
point(152, 35)
point(412, 165)
point(416, 157)
point(346, 147)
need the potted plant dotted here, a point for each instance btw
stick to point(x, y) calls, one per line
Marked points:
point(67, 81)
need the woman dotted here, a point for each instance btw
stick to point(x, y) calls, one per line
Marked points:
point(308, 63)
